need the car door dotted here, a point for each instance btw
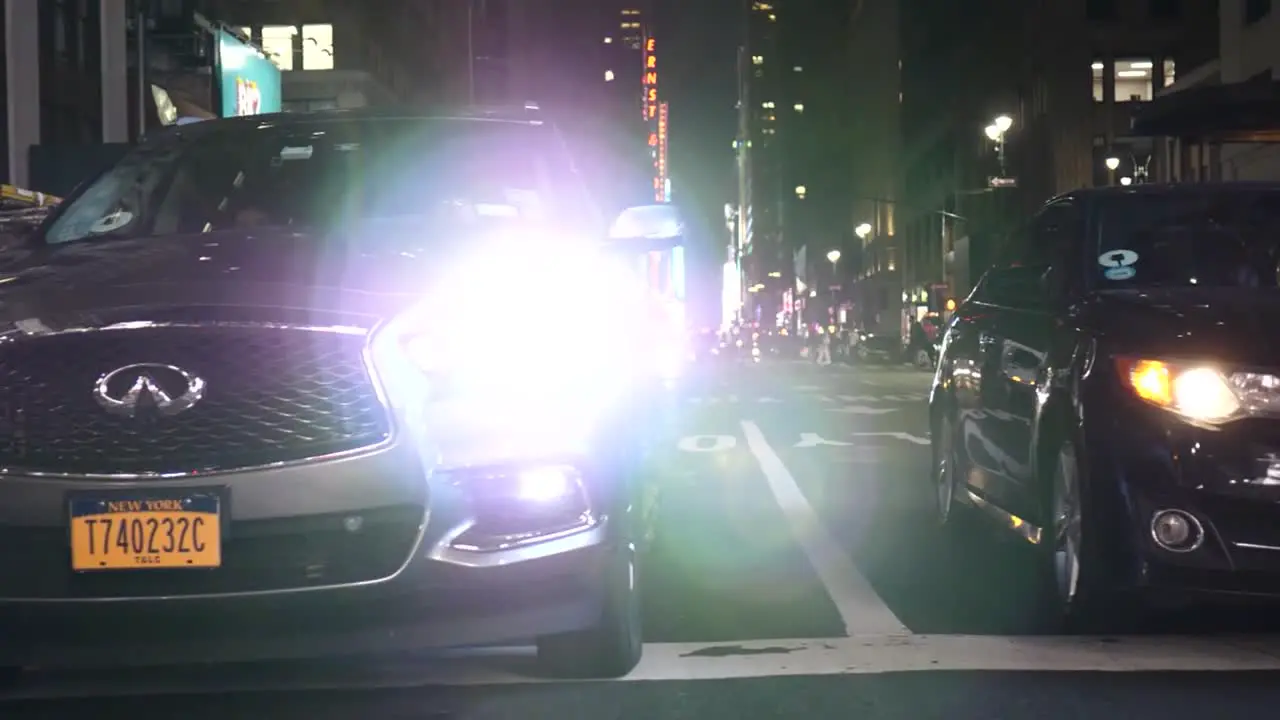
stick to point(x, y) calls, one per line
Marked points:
point(1017, 349)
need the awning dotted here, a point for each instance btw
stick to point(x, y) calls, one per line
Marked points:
point(1238, 112)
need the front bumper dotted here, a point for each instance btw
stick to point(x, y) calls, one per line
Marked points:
point(296, 579)
point(1142, 461)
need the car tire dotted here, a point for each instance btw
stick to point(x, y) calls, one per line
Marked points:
point(1070, 595)
point(612, 647)
point(953, 517)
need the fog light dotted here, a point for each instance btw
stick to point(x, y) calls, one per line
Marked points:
point(1176, 531)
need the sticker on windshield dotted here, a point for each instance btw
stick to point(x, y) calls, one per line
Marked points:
point(1118, 259)
point(112, 221)
point(1119, 273)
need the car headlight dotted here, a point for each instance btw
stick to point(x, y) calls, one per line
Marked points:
point(1197, 392)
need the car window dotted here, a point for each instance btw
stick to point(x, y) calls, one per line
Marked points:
point(1224, 238)
point(1034, 264)
point(321, 173)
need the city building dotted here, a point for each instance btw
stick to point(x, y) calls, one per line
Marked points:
point(820, 132)
point(989, 136)
point(877, 37)
point(82, 87)
point(1221, 120)
point(583, 65)
point(763, 257)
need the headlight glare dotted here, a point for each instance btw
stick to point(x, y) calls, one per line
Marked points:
point(1200, 393)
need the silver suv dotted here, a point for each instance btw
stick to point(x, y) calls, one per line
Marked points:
point(290, 385)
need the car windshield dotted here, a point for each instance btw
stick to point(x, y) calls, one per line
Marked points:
point(1209, 239)
point(320, 173)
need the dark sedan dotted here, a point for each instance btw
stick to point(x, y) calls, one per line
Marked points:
point(1110, 395)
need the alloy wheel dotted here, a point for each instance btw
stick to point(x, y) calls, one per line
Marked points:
point(944, 471)
point(1067, 528)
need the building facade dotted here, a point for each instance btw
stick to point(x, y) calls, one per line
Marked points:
point(1221, 120)
point(765, 259)
point(82, 86)
point(1066, 79)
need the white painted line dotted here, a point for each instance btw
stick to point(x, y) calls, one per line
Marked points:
point(864, 655)
point(862, 611)
point(861, 410)
point(907, 437)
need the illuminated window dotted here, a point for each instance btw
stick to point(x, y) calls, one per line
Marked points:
point(608, 76)
point(768, 104)
point(797, 69)
point(1170, 73)
point(1134, 80)
point(277, 42)
point(799, 107)
point(608, 40)
point(1097, 68)
point(757, 59)
point(773, 18)
point(317, 47)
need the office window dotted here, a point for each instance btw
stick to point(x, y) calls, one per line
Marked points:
point(1099, 92)
point(317, 47)
point(277, 42)
point(1134, 80)
point(1170, 72)
point(1255, 10)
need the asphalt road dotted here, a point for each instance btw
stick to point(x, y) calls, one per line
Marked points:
point(797, 575)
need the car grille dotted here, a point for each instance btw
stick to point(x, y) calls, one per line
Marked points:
point(257, 556)
point(273, 395)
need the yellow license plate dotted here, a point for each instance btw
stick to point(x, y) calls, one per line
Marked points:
point(146, 532)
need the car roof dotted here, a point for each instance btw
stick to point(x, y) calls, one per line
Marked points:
point(1147, 189)
point(528, 116)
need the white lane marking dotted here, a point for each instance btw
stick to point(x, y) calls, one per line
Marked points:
point(908, 437)
point(860, 608)
point(863, 655)
point(808, 440)
point(861, 410)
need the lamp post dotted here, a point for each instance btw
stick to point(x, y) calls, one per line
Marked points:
point(995, 133)
point(1112, 163)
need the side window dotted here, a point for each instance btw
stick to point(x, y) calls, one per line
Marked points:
point(1057, 231)
point(1037, 259)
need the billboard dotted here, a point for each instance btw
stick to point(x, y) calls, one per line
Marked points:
point(249, 81)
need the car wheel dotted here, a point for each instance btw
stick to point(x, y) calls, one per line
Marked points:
point(1072, 597)
point(613, 646)
point(944, 464)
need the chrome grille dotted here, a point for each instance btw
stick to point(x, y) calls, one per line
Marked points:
point(274, 394)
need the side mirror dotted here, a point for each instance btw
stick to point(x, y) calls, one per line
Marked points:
point(647, 227)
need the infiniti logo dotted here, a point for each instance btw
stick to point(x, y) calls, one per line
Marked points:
point(146, 388)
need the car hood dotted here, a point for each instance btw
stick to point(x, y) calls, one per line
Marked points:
point(121, 280)
point(1231, 325)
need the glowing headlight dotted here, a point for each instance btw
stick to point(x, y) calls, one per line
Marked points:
point(1197, 392)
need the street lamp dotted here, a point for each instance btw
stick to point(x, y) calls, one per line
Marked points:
point(995, 133)
point(833, 257)
point(862, 231)
point(1112, 164)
